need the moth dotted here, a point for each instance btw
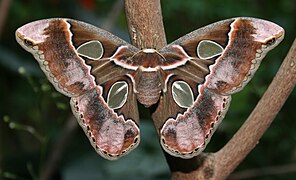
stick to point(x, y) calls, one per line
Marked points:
point(190, 81)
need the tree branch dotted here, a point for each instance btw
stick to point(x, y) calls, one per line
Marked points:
point(266, 171)
point(145, 23)
point(4, 8)
point(260, 119)
point(112, 16)
point(57, 151)
point(146, 29)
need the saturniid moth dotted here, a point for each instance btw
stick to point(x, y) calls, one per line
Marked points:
point(190, 80)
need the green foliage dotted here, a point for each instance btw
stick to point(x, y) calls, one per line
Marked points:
point(38, 113)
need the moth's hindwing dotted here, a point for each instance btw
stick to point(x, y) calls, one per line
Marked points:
point(111, 135)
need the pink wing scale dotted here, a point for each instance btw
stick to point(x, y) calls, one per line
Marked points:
point(111, 135)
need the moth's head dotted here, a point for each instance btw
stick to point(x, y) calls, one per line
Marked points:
point(31, 34)
point(268, 33)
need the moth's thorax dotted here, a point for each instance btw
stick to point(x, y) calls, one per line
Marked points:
point(148, 80)
point(148, 59)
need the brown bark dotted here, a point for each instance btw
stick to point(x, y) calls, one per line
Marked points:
point(146, 31)
point(4, 8)
point(145, 23)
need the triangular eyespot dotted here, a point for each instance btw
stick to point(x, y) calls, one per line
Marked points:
point(117, 95)
point(182, 94)
point(92, 49)
point(207, 49)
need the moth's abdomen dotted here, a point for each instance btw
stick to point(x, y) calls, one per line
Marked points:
point(148, 88)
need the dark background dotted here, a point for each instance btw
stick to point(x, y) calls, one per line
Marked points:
point(33, 115)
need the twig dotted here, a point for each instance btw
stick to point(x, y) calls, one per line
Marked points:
point(4, 7)
point(1, 149)
point(228, 158)
point(113, 15)
point(57, 151)
point(266, 171)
